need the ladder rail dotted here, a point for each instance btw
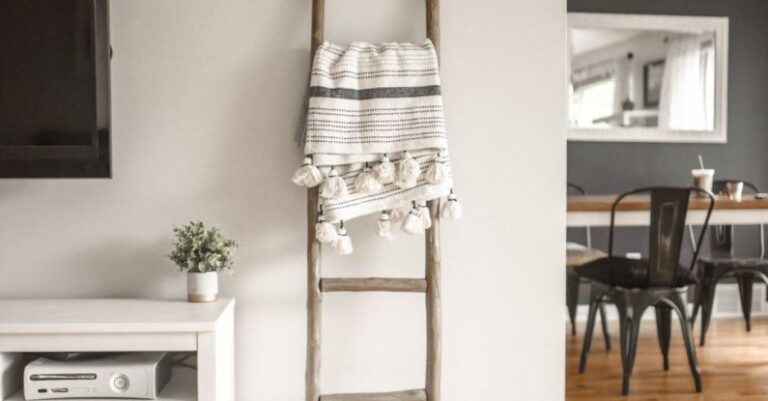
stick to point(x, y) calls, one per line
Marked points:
point(314, 268)
point(432, 255)
point(433, 305)
point(430, 285)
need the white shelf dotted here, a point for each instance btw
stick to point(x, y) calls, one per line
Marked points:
point(27, 316)
point(182, 387)
point(124, 325)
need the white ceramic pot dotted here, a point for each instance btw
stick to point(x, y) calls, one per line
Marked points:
point(202, 287)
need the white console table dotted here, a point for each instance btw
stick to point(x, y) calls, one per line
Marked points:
point(123, 325)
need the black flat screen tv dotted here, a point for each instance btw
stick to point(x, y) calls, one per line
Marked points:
point(54, 89)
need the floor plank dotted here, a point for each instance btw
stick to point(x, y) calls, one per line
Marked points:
point(734, 366)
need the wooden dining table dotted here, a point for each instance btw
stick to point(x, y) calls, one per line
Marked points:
point(634, 210)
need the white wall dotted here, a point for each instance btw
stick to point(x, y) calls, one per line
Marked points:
point(206, 99)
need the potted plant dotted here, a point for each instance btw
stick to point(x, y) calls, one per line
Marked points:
point(202, 253)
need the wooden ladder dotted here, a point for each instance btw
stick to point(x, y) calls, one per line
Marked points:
point(429, 285)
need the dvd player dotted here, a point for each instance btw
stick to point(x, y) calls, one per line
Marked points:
point(138, 375)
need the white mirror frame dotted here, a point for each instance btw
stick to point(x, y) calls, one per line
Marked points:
point(719, 25)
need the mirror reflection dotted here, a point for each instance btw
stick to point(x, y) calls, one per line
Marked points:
point(642, 78)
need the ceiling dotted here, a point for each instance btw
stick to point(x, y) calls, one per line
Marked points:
point(584, 40)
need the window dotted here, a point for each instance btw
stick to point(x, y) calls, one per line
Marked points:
point(593, 103)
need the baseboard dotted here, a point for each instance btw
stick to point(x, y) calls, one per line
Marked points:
point(727, 304)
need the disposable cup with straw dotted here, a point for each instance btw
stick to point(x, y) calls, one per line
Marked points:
point(702, 177)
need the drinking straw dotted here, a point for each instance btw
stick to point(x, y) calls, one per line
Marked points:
point(701, 162)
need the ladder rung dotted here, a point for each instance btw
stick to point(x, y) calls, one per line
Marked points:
point(410, 395)
point(373, 284)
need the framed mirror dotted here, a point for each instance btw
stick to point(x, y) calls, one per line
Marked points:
point(647, 78)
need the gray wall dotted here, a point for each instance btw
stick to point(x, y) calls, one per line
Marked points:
point(615, 167)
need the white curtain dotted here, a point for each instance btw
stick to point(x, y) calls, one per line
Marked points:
point(708, 66)
point(682, 105)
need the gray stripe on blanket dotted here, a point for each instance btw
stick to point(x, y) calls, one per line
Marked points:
point(374, 93)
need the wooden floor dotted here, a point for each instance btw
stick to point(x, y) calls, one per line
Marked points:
point(734, 366)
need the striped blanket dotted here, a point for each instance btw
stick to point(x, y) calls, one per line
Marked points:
point(370, 105)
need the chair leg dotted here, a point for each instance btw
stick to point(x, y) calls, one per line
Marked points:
point(622, 308)
point(697, 300)
point(588, 334)
point(572, 283)
point(623, 339)
point(664, 330)
point(708, 299)
point(688, 339)
point(633, 332)
point(604, 324)
point(745, 282)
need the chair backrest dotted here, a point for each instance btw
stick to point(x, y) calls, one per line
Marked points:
point(577, 188)
point(721, 236)
point(668, 209)
point(719, 185)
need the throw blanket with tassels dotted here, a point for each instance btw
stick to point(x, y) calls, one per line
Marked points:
point(375, 135)
point(369, 100)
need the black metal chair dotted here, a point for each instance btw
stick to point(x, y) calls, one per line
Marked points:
point(723, 264)
point(659, 281)
point(576, 256)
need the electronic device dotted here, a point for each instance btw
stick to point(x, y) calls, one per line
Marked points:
point(55, 86)
point(138, 375)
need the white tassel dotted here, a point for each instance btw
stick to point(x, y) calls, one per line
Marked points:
point(333, 187)
point(413, 223)
point(343, 244)
point(452, 209)
point(426, 218)
point(325, 232)
point(384, 171)
point(436, 173)
point(408, 172)
point(384, 226)
point(366, 183)
point(307, 175)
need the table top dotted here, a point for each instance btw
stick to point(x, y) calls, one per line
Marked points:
point(603, 203)
point(109, 315)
